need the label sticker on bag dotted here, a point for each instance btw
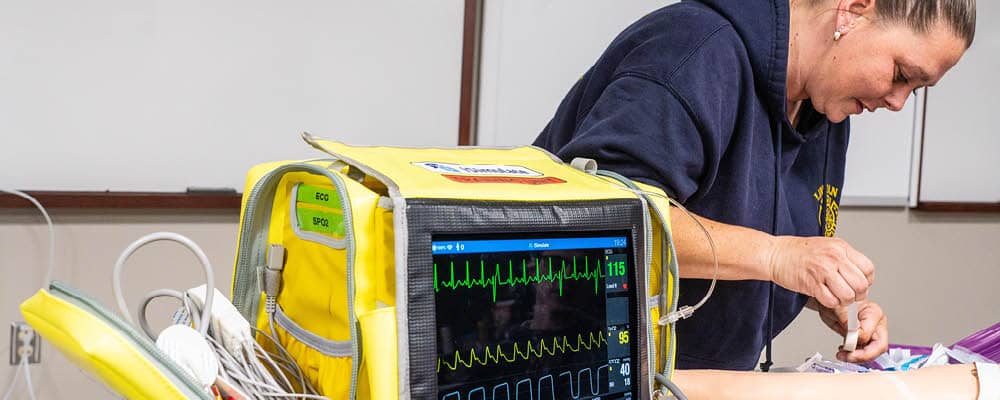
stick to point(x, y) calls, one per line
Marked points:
point(477, 169)
point(319, 196)
point(491, 173)
point(330, 223)
point(545, 180)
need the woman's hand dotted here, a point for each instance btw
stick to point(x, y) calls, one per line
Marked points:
point(873, 329)
point(827, 269)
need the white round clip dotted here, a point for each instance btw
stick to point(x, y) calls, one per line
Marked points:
point(190, 351)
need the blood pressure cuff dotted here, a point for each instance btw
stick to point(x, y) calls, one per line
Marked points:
point(104, 346)
point(390, 272)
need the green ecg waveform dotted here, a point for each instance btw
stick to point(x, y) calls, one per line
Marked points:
point(495, 280)
point(497, 355)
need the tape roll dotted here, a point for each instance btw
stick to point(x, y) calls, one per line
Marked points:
point(851, 338)
point(851, 341)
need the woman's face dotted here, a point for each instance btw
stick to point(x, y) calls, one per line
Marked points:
point(876, 66)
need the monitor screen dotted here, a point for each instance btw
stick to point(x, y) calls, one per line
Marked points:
point(535, 316)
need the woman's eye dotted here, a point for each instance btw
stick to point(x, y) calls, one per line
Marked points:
point(900, 77)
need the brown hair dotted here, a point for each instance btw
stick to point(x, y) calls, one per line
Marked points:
point(920, 15)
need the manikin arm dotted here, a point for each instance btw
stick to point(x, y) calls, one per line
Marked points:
point(937, 383)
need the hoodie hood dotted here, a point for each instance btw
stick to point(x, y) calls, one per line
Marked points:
point(763, 26)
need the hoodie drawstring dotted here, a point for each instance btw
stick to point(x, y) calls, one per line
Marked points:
point(766, 365)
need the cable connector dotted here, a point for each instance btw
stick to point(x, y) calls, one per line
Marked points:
point(587, 165)
point(270, 305)
point(271, 273)
point(682, 313)
point(271, 276)
point(276, 257)
point(181, 317)
point(226, 322)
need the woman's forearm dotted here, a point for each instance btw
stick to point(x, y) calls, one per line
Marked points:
point(743, 253)
point(828, 269)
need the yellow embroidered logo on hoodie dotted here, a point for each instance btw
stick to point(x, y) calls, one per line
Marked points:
point(826, 215)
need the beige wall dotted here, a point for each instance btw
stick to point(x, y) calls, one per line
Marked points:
point(937, 277)
point(937, 274)
point(89, 243)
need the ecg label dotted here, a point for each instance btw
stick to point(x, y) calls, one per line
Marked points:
point(547, 387)
point(556, 274)
point(531, 349)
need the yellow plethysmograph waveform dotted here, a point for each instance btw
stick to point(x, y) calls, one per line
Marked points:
point(496, 354)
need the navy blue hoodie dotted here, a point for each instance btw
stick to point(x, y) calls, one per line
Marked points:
point(691, 98)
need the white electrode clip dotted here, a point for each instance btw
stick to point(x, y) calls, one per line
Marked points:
point(225, 322)
point(191, 352)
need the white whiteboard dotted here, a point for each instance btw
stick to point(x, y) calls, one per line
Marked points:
point(532, 54)
point(880, 156)
point(961, 156)
point(534, 51)
point(160, 95)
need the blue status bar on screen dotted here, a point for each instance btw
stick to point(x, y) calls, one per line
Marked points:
point(516, 245)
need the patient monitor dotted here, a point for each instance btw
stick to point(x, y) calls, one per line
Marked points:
point(546, 315)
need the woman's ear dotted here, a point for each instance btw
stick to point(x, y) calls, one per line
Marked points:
point(850, 14)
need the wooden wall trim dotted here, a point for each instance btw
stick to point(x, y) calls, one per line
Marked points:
point(923, 138)
point(469, 99)
point(59, 199)
point(958, 207)
point(941, 206)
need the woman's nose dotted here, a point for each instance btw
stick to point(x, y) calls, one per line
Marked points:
point(897, 98)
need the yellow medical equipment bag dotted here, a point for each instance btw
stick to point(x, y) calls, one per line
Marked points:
point(396, 273)
point(108, 348)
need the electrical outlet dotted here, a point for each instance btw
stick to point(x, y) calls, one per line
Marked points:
point(24, 343)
